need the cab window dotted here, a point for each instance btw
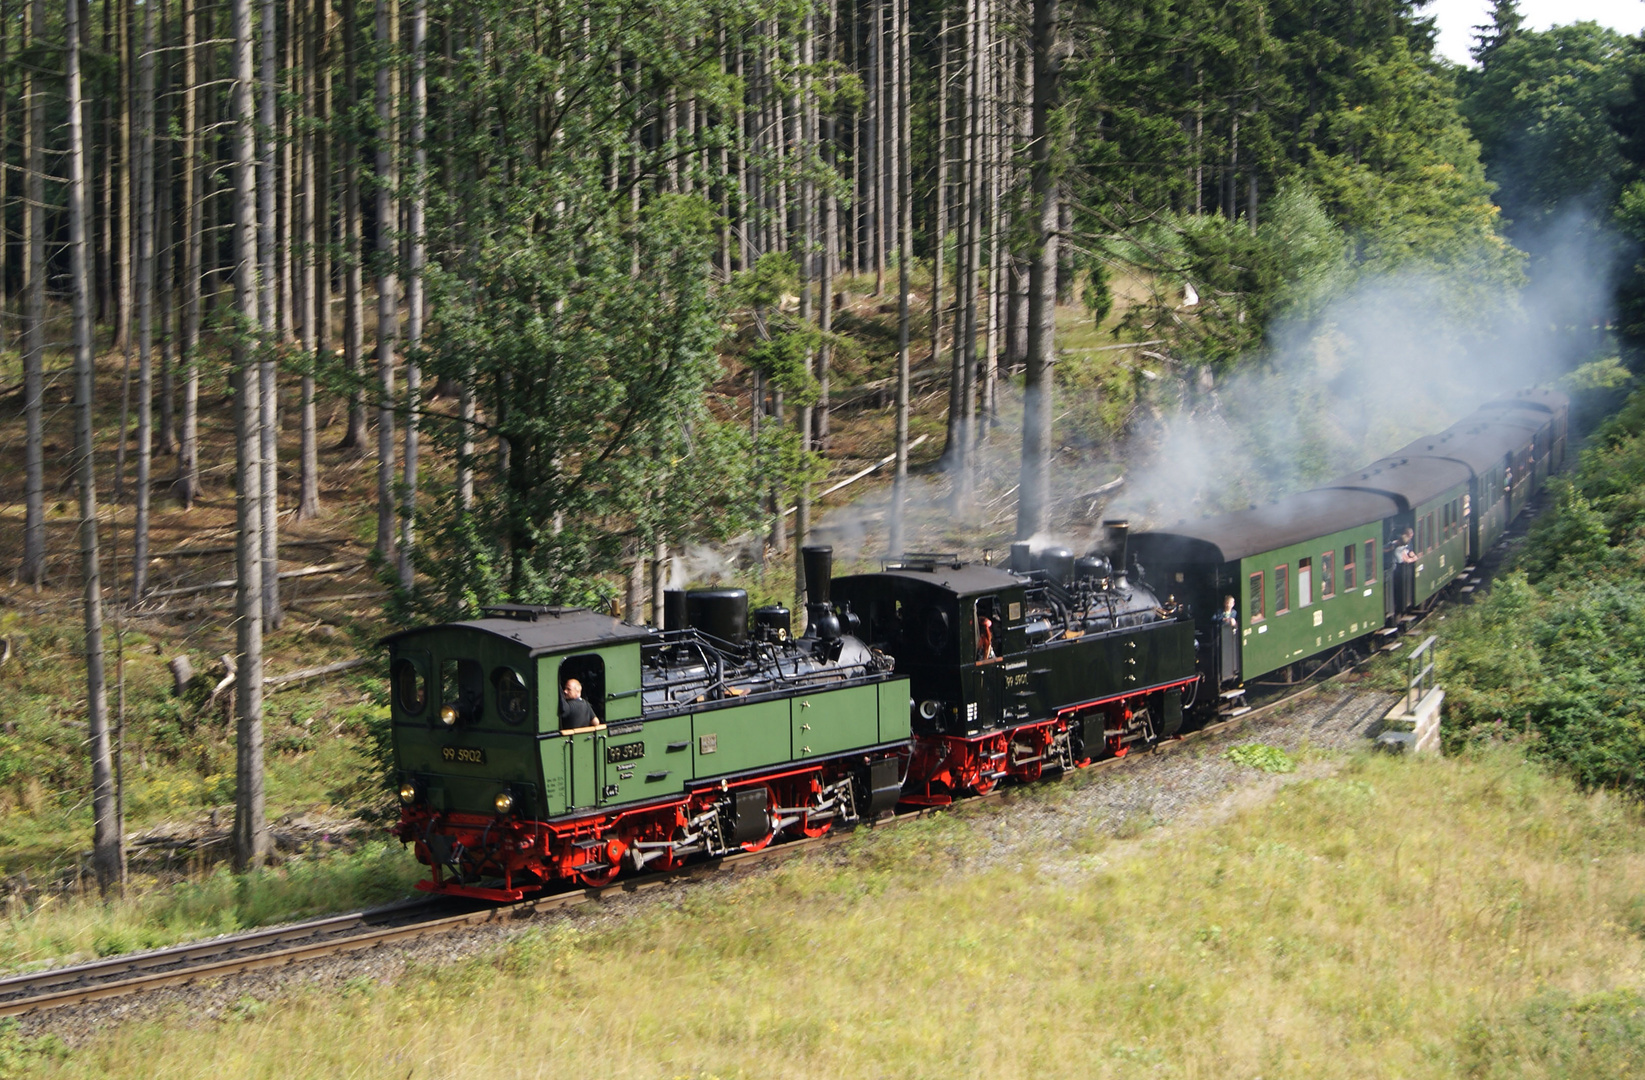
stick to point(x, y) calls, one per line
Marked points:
point(513, 699)
point(588, 671)
point(410, 687)
point(462, 686)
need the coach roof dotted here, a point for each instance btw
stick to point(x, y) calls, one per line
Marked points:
point(1307, 515)
point(1411, 475)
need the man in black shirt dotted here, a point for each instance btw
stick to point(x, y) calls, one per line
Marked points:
point(574, 711)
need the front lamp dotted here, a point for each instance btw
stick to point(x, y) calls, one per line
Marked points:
point(504, 802)
point(448, 715)
point(408, 792)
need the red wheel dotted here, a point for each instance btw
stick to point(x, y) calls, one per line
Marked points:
point(984, 784)
point(600, 874)
point(770, 833)
point(805, 828)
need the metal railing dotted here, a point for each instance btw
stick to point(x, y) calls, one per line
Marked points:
point(1418, 681)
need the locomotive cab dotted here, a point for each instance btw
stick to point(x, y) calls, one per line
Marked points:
point(955, 631)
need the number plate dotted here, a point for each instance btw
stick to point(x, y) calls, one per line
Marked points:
point(628, 751)
point(463, 755)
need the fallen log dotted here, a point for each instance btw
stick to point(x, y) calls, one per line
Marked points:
point(285, 682)
point(229, 583)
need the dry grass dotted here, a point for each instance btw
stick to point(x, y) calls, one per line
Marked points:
point(1373, 924)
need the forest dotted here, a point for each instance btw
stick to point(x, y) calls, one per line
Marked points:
point(583, 286)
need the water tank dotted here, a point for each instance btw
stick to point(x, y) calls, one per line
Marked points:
point(719, 613)
point(1058, 562)
point(772, 623)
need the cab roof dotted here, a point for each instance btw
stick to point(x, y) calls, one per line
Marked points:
point(541, 630)
point(963, 579)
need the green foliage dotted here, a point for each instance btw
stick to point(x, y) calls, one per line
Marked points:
point(1399, 171)
point(1268, 759)
point(1541, 106)
point(1549, 657)
point(1594, 1037)
point(20, 1055)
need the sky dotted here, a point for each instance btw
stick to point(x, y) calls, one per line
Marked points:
point(1457, 18)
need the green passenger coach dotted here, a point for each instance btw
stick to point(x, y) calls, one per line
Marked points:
point(1306, 573)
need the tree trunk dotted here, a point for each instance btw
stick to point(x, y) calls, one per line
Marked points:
point(145, 302)
point(806, 147)
point(107, 843)
point(188, 460)
point(311, 287)
point(251, 838)
point(1034, 491)
point(269, 390)
point(387, 281)
point(34, 513)
point(354, 317)
point(123, 262)
point(897, 541)
point(414, 280)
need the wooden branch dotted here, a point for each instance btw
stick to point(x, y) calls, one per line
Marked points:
point(228, 680)
point(284, 682)
point(229, 583)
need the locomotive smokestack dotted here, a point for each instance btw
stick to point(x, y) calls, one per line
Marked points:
point(820, 620)
point(673, 609)
point(1119, 542)
point(1022, 557)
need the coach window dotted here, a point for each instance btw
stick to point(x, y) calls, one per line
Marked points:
point(1255, 604)
point(1370, 562)
point(1432, 541)
point(1282, 589)
point(1327, 575)
point(1348, 567)
point(1305, 582)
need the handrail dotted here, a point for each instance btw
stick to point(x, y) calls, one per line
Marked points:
point(1417, 685)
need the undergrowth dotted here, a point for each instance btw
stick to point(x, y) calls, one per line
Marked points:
point(1550, 657)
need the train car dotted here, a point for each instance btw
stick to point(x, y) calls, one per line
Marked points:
point(1014, 671)
point(1547, 413)
point(1305, 574)
point(1434, 497)
point(539, 744)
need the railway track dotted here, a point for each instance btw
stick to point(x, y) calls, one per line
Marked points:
point(282, 946)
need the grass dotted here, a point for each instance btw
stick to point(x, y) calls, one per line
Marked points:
point(1404, 918)
point(68, 929)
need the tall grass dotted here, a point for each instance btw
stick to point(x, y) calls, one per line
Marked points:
point(64, 928)
point(1404, 918)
